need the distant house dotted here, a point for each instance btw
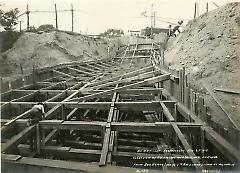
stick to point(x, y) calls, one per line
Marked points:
point(134, 33)
point(147, 31)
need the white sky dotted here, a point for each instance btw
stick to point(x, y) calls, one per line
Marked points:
point(95, 16)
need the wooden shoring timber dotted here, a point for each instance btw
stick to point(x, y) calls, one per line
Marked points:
point(166, 112)
point(227, 149)
point(139, 105)
point(187, 147)
point(133, 57)
point(64, 74)
point(17, 139)
point(49, 114)
point(25, 97)
point(86, 69)
point(131, 126)
point(10, 123)
point(146, 81)
point(130, 79)
point(103, 67)
point(158, 127)
point(230, 91)
point(230, 117)
point(94, 67)
point(107, 135)
point(66, 152)
point(72, 125)
point(86, 91)
point(106, 64)
point(137, 97)
point(54, 85)
point(126, 75)
point(83, 144)
point(181, 137)
point(81, 153)
point(80, 71)
point(56, 96)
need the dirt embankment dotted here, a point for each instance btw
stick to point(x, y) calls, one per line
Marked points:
point(46, 49)
point(209, 49)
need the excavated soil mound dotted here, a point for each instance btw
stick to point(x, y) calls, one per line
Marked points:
point(46, 49)
point(209, 49)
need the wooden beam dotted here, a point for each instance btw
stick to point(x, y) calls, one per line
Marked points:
point(230, 117)
point(227, 149)
point(17, 139)
point(64, 74)
point(80, 71)
point(147, 81)
point(187, 147)
point(11, 122)
point(71, 125)
point(230, 91)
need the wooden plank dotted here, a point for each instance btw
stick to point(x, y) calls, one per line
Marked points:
point(232, 120)
point(126, 75)
point(80, 71)
point(221, 144)
point(166, 112)
point(10, 157)
point(230, 91)
point(17, 139)
point(10, 123)
point(71, 125)
point(147, 81)
point(187, 147)
point(224, 146)
point(104, 152)
point(141, 76)
point(158, 127)
point(64, 74)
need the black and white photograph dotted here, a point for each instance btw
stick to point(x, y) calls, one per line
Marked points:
point(120, 86)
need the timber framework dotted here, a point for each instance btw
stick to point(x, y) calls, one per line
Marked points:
point(124, 114)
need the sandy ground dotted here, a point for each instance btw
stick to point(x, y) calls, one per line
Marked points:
point(209, 49)
point(46, 49)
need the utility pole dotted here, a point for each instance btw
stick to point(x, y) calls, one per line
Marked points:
point(207, 7)
point(195, 10)
point(56, 16)
point(27, 12)
point(72, 15)
point(152, 21)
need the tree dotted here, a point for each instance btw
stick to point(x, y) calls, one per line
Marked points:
point(9, 19)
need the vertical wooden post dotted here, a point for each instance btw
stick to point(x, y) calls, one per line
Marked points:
point(195, 10)
point(202, 136)
point(56, 16)
point(27, 12)
point(63, 112)
point(181, 85)
point(72, 15)
point(38, 139)
point(176, 119)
